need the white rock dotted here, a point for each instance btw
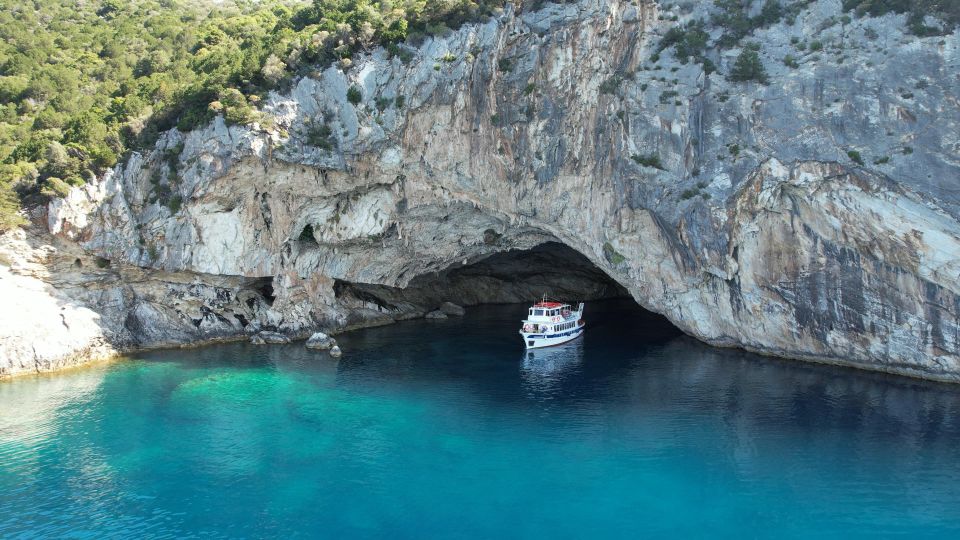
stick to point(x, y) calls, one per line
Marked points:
point(335, 351)
point(436, 314)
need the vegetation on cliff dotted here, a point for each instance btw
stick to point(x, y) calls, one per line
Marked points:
point(83, 83)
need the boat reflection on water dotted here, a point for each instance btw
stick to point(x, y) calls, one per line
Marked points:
point(544, 369)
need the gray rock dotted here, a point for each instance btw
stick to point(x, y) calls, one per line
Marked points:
point(451, 309)
point(335, 351)
point(436, 314)
point(321, 341)
point(270, 338)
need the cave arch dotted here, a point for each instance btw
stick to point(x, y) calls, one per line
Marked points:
point(521, 275)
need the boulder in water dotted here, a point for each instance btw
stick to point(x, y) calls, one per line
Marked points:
point(451, 309)
point(320, 341)
point(335, 351)
point(436, 314)
point(272, 338)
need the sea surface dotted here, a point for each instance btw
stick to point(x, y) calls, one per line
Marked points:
point(448, 429)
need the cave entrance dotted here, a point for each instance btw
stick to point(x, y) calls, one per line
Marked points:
point(514, 276)
point(524, 275)
point(517, 276)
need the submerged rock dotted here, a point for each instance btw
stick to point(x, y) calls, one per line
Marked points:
point(321, 341)
point(436, 314)
point(335, 351)
point(451, 309)
point(269, 338)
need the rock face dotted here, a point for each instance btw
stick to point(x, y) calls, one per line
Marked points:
point(269, 338)
point(451, 309)
point(812, 218)
point(321, 341)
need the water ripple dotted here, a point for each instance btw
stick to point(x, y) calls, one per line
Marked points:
point(449, 429)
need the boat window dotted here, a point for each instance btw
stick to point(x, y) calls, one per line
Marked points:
point(538, 312)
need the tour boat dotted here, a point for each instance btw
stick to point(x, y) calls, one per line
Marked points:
point(551, 323)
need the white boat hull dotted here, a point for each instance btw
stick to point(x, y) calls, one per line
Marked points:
point(533, 340)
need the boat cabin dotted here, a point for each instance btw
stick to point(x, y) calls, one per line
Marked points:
point(548, 311)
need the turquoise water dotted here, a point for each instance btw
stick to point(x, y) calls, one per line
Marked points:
point(447, 429)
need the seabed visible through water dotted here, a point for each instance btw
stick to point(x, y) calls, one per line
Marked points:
point(450, 428)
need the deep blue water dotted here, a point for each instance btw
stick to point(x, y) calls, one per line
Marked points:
point(448, 429)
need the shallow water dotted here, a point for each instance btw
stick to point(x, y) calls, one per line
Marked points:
point(448, 429)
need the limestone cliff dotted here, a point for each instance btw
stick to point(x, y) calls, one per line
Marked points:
point(814, 217)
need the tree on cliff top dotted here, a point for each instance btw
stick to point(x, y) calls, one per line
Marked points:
point(83, 83)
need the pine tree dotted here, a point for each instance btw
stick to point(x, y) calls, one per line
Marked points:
point(748, 67)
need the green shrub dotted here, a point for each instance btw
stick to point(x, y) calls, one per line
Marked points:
point(529, 89)
point(881, 160)
point(748, 67)
point(733, 17)
point(505, 65)
point(235, 107)
point(9, 209)
point(611, 84)
point(687, 41)
point(354, 95)
point(648, 160)
point(612, 256)
point(947, 10)
point(689, 194)
point(55, 187)
point(668, 95)
point(174, 203)
point(790, 61)
point(855, 156)
point(321, 136)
